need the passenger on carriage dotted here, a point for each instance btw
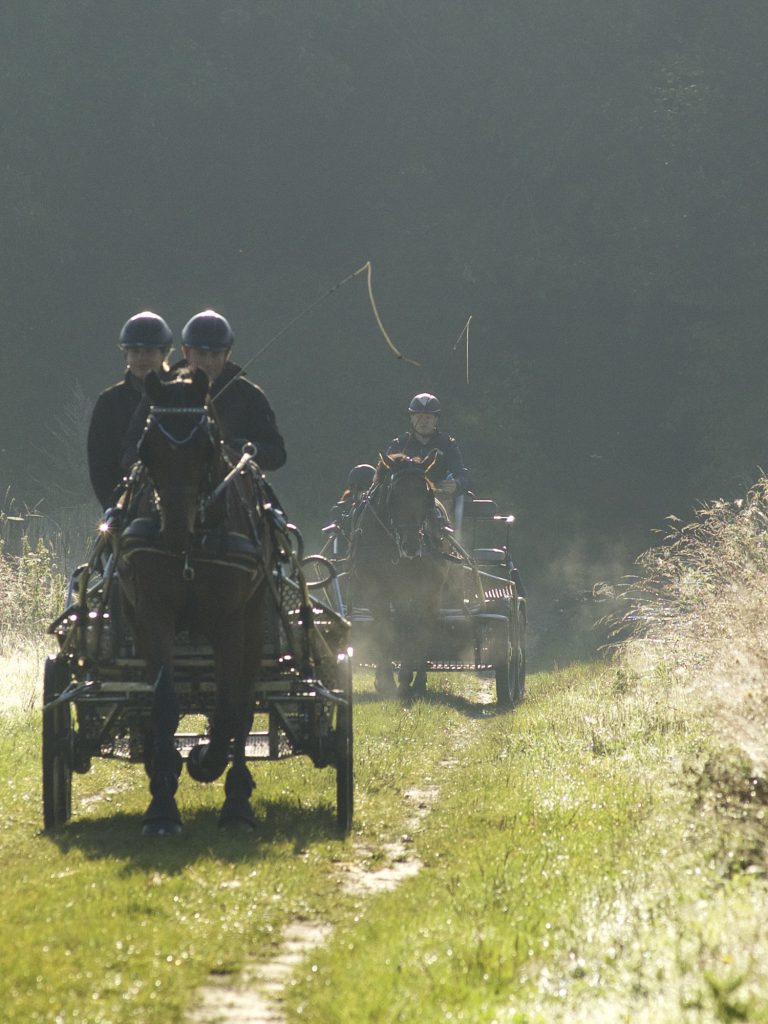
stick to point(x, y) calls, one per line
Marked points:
point(145, 340)
point(449, 474)
point(241, 407)
point(358, 482)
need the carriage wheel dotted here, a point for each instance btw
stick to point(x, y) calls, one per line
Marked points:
point(504, 669)
point(344, 760)
point(58, 743)
point(520, 660)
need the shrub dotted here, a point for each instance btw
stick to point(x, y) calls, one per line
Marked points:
point(698, 615)
point(32, 592)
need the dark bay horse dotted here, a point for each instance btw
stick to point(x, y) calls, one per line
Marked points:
point(398, 570)
point(196, 554)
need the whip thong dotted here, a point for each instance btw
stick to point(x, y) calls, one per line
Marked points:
point(365, 269)
point(464, 334)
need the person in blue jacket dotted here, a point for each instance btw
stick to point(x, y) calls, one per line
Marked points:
point(449, 474)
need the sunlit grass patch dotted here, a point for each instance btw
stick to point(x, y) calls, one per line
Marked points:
point(565, 871)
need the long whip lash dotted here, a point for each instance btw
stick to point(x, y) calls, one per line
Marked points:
point(313, 305)
point(464, 334)
point(398, 353)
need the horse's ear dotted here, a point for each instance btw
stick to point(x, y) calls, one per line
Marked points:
point(201, 384)
point(385, 460)
point(429, 460)
point(153, 387)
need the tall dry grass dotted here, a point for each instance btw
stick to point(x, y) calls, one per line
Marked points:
point(696, 615)
point(37, 554)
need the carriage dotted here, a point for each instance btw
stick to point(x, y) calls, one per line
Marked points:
point(97, 700)
point(481, 623)
point(197, 548)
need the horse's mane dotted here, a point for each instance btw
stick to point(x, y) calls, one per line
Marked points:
point(399, 459)
point(176, 390)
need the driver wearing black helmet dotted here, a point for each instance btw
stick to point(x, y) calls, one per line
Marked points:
point(241, 407)
point(449, 474)
point(145, 340)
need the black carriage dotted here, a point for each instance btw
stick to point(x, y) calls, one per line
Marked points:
point(97, 701)
point(482, 622)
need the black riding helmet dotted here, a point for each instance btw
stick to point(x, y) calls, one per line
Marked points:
point(146, 330)
point(209, 331)
point(361, 477)
point(424, 402)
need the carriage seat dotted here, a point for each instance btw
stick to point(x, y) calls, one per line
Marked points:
point(479, 508)
point(490, 556)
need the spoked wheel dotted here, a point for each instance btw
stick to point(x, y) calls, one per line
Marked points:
point(58, 747)
point(344, 760)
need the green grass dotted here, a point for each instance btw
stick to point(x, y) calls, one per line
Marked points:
point(568, 876)
point(591, 856)
point(103, 925)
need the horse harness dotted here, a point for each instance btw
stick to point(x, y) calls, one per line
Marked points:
point(395, 529)
point(213, 544)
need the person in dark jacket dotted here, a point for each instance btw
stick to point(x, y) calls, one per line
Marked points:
point(449, 475)
point(145, 340)
point(359, 482)
point(242, 408)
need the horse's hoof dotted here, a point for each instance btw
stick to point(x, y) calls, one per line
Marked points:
point(161, 827)
point(197, 767)
point(237, 823)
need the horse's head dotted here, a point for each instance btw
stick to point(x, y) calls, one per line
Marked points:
point(177, 448)
point(410, 499)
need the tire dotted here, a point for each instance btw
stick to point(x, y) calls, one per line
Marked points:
point(520, 666)
point(345, 790)
point(58, 744)
point(504, 670)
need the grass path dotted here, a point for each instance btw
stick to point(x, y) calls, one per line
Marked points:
point(578, 860)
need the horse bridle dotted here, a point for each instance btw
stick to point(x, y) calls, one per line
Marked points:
point(204, 422)
point(397, 527)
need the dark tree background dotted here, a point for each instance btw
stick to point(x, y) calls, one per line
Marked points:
point(587, 178)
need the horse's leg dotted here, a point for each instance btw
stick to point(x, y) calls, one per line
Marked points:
point(426, 591)
point(419, 688)
point(162, 816)
point(236, 641)
point(237, 812)
point(407, 601)
point(384, 679)
point(153, 624)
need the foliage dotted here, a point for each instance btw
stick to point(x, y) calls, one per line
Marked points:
point(32, 591)
point(585, 179)
point(698, 609)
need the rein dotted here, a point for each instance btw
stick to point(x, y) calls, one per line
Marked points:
point(244, 460)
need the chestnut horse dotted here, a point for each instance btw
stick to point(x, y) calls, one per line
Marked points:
point(398, 569)
point(200, 560)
